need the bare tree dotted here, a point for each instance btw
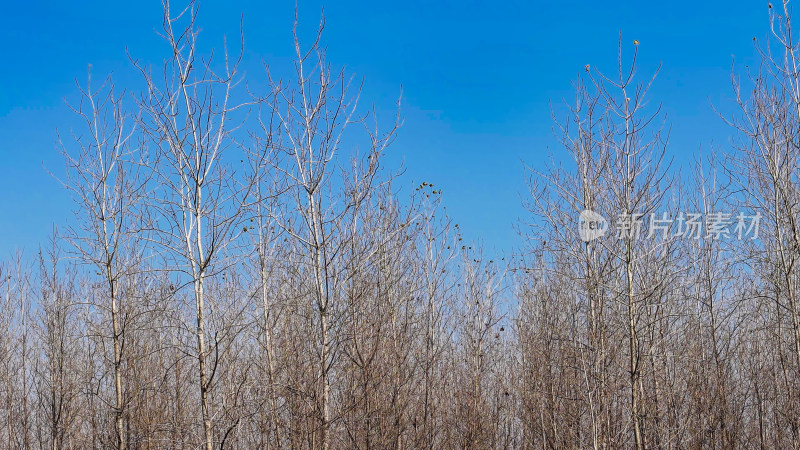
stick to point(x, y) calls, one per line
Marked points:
point(765, 167)
point(104, 174)
point(324, 209)
point(188, 120)
point(620, 174)
point(17, 342)
point(57, 374)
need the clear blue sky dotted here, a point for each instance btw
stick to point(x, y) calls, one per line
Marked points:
point(477, 77)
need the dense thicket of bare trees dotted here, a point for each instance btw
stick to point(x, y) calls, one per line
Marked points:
point(243, 272)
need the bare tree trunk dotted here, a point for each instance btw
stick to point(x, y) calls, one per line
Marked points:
point(633, 352)
point(120, 401)
point(202, 352)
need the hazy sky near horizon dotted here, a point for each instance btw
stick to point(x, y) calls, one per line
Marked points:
point(478, 82)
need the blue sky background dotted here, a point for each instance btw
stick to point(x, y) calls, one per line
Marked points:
point(478, 80)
